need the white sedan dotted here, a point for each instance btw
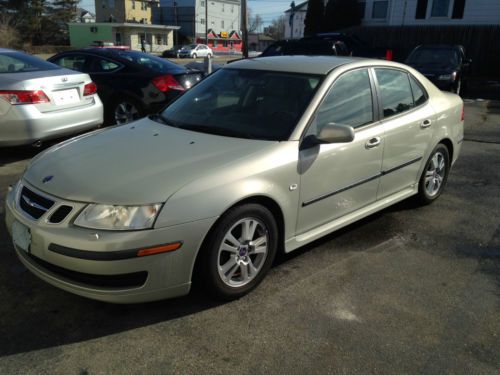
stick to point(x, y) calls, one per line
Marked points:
point(196, 50)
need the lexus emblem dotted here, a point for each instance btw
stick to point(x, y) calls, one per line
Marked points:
point(47, 179)
point(64, 79)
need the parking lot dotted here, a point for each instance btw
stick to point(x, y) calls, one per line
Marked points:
point(408, 290)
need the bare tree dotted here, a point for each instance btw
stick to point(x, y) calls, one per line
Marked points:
point(254, 22)
point(277, 28)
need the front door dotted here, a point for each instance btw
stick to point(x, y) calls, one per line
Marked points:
point(337, 179)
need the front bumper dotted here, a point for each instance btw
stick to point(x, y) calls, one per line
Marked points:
point(129, 280)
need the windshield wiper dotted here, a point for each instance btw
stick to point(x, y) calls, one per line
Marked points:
point(161, 119)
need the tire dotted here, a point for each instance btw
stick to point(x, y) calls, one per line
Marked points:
point(194, 56)
point(124, 110)
point(434, 176)
point(235, 260)
point(209, 55)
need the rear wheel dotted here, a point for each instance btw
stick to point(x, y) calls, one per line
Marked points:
point(435, 175)
point(240, 250)
point(125, 110)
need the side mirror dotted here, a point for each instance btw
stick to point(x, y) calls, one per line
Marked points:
point(331, 133)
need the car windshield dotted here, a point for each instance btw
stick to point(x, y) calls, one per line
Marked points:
point(251, 104)
point(149, 61)
point(434, 56)
point(16, 62)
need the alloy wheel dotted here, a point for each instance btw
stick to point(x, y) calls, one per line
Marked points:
point(243, 252)
point(435, 174)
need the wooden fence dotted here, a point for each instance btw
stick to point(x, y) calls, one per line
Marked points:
point(482, 43)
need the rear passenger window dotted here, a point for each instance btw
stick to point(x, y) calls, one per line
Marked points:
point(419, 96)
point(349, 102)
point(75, 62)
point(103, 65)
point(395, 91)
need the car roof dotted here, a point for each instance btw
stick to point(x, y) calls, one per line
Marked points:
point(439, 46)
point(296, 63)
point(3, 50)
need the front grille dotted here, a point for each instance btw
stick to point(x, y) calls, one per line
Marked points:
point(33, 204)
point(60, 214)
point(126, 280)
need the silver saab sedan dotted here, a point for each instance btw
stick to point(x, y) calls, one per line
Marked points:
point(265, 155)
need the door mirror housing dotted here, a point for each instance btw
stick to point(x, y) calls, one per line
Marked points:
point(331, 133)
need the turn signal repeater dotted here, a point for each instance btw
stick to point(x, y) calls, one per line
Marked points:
point(159, 249)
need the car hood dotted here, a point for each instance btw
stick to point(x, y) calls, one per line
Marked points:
point(138, 163)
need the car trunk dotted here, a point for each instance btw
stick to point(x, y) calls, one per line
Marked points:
point(64, 88)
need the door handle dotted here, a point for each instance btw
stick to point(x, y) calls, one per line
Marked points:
point(425, 124)
point(374, 142)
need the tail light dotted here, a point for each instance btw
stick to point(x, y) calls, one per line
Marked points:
point(462, 117)
point(16, 97)
point(168, 82)
point(388, 54)
point(89, 89)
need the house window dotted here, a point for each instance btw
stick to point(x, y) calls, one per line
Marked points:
point(379, 10)
point(143, 5)
point(202, 21)
point(133, 4)
point(361, 8)
point(223, 7)
point(232, 8)
point(202, 3)
point(458, 9)
point(421, 9)
point(222, 24)
point(440, 8)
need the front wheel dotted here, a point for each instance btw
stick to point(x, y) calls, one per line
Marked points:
point(194, 56)
point(434, 176)
point(239, 251)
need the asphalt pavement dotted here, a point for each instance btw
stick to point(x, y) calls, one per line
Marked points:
point(410, 290)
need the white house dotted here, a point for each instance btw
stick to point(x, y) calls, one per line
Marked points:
point(430, 12)
point(294, 21)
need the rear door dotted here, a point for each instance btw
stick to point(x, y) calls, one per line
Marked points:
point(408, 119)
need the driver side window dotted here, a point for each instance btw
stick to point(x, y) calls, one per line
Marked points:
point(349, 102)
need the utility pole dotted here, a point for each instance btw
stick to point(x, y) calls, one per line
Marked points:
point(175, 17)
point(244, 28)
point(206, 22)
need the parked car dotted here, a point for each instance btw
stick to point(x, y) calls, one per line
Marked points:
point(131, 84)
point(306, 47)
point(173, 52)
point(196, 50)
point(445, 65)
point(107, 44)
point(264, 155)
point(41, 101)
point(355, 45)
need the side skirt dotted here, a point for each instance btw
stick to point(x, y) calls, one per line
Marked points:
point(318, 232)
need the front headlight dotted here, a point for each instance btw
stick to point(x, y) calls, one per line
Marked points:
point(448, 77)
point(108, 217)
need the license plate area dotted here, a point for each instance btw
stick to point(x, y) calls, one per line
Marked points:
point(63, 97)
point(21, 236)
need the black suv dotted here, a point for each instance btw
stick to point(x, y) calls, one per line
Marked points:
point(444, 64)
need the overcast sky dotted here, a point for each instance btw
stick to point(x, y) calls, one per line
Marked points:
point(268, 9)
